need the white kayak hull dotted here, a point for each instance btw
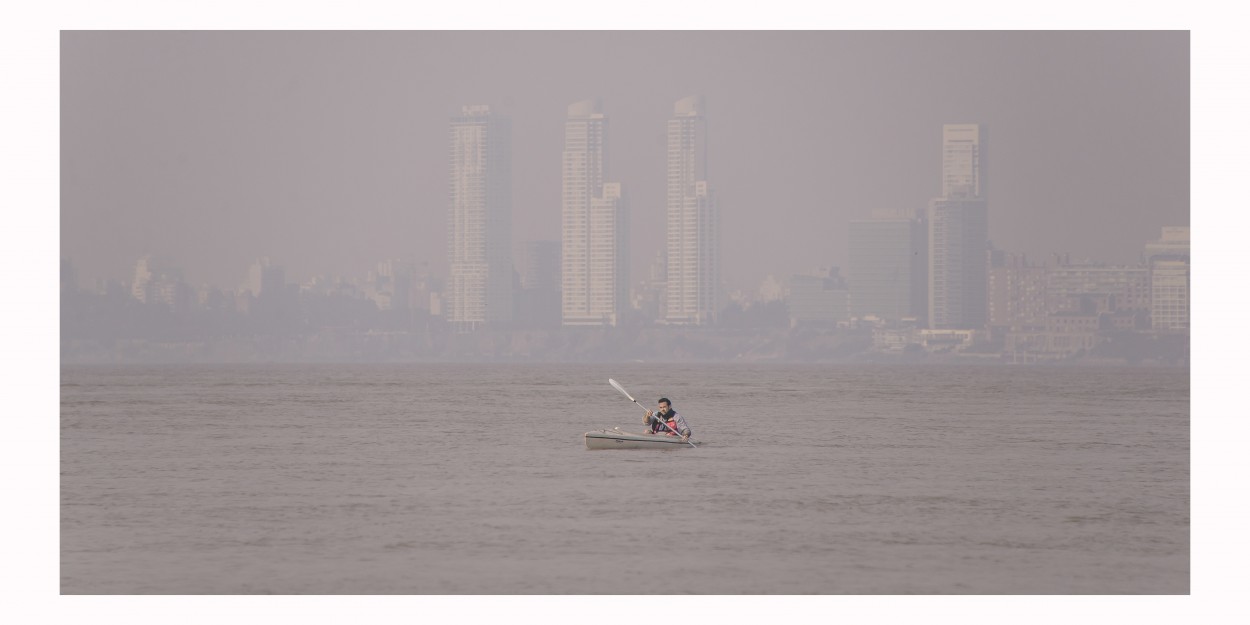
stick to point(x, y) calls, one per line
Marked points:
point(616, 439)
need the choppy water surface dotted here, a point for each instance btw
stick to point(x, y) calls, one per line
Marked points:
point(474, 479)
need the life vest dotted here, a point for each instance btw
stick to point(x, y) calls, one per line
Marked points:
point(672, 423)
point(657, 426)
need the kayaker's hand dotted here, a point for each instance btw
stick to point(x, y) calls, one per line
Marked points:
point(649, 413)
point(685, 438)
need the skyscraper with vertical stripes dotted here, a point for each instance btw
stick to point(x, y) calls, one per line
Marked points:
point(595, 224)
point(480, 220)
point(693, 235)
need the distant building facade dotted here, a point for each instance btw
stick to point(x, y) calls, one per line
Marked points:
point(964, 149)
point(959, 232)
point(650, 294)
point(390, 285)
point(480, 220)
point(538, 302)
point(958, 246)
point(157, 282)
point(888, 271)
point(1122, 288)
point(693, 233)
point(1169, 294)
point(594, 276)
point(540, 265)
point(818, 298)
point(1168, 260)
point(264, 277)
point(1016, 292)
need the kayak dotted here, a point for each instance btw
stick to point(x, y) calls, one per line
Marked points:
point(620, 439)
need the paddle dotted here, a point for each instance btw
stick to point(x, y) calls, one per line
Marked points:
point(631, 398)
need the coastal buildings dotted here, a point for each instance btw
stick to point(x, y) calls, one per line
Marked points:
point(1168, 262)
point(158, 282)
point(1071, 286)
point(1028, 312)
point(1016, 291)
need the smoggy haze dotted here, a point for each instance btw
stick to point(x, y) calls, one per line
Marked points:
point(329, 151)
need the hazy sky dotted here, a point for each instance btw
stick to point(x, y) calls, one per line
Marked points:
point(329, 151)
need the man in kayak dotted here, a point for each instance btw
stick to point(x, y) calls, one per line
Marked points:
point(666, 415)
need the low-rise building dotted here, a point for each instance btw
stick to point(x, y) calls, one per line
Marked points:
point(820, 298)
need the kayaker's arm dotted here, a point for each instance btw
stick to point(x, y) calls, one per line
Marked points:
point(682, 428)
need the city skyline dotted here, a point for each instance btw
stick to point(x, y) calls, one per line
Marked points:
point(930, 282)
point(333, 193)
point(932, 274)
point(1058, 311)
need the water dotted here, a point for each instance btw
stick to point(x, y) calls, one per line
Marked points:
point(454, 479)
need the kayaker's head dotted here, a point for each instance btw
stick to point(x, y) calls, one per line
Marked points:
point(664, 404)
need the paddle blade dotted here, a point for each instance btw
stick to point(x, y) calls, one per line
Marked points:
point(621, 389)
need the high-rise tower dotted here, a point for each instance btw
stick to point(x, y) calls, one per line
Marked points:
point(959, 232)
point(480, 220)
point(889, 265)
point(963, 160)
point(594, 260)
point(693, 241)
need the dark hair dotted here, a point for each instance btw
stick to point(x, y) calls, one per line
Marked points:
point(664, 400)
